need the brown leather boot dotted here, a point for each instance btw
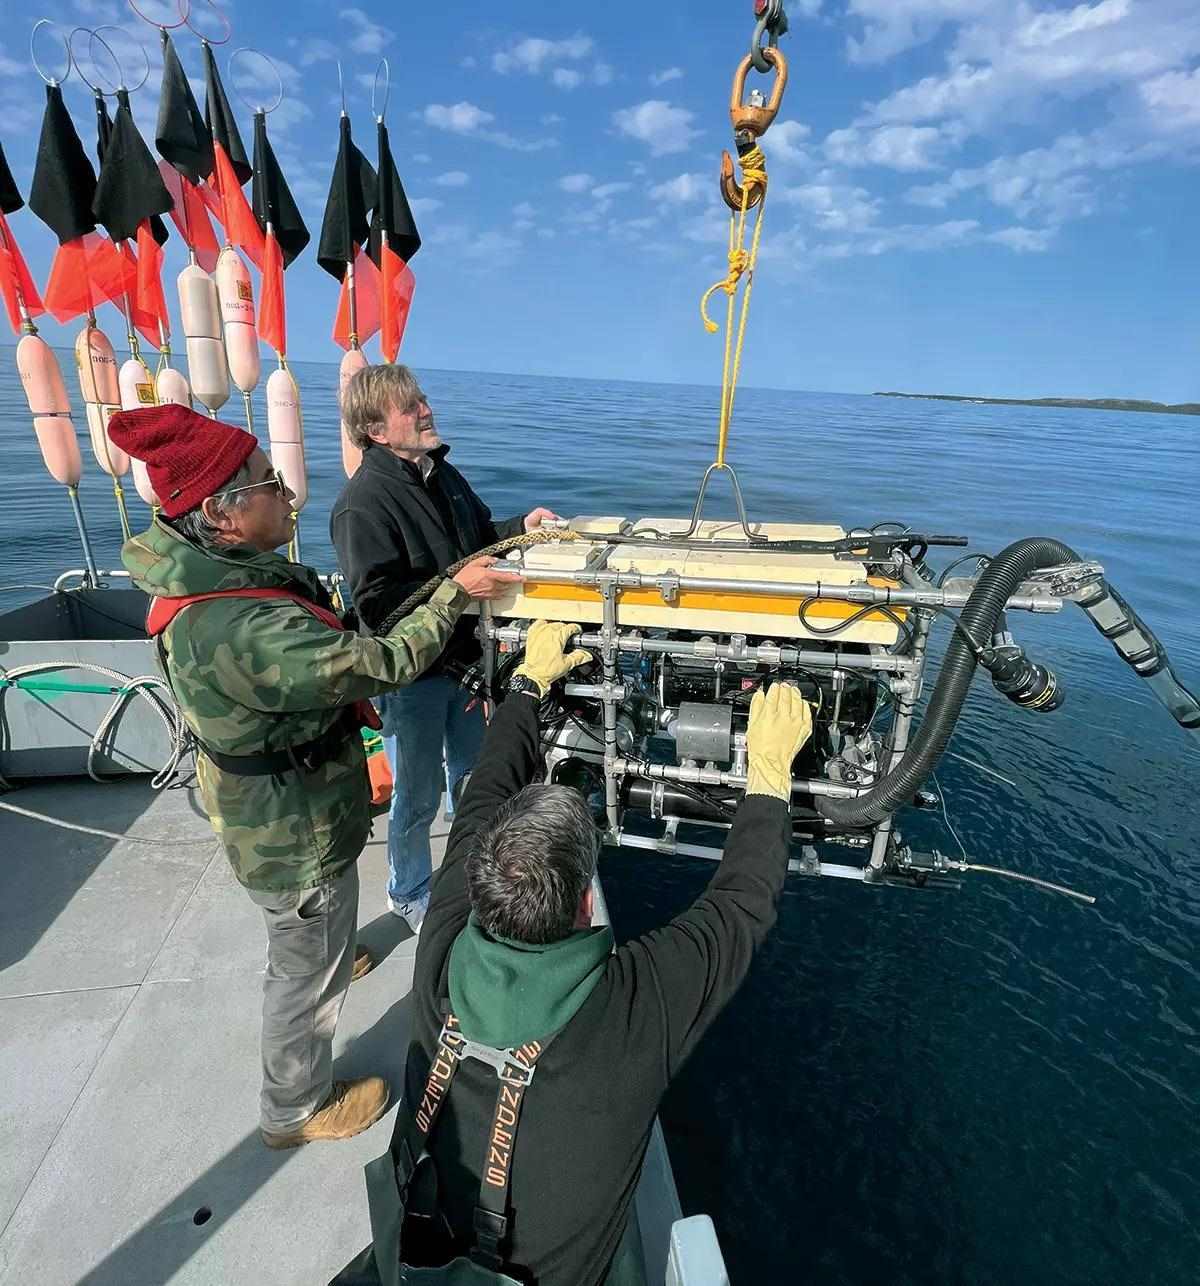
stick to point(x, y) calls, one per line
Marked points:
point(353, 1106)
point(364, 962)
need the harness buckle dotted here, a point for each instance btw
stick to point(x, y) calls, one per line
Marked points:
point(506, 1067)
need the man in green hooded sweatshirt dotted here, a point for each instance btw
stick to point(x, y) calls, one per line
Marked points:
point(274, 691)
point(535, 1173)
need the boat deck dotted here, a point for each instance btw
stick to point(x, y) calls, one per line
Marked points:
point(130, 978)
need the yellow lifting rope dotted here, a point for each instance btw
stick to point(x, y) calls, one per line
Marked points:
point(750, 122)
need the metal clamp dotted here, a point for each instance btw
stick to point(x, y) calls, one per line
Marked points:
point(755, 119)
point(1069, 579)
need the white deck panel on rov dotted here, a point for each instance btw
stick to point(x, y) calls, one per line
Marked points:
point(130, 993)
point(705, 610)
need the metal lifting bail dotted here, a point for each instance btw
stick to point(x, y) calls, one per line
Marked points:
point(750, 122)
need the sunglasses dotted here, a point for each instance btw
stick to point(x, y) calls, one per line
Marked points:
point(275, 480)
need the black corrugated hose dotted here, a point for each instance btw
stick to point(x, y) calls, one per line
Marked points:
point(996, 586)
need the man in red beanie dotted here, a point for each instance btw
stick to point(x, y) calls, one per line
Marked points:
point(275, 691)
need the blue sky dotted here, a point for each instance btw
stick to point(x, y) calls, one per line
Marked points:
point(973, 196)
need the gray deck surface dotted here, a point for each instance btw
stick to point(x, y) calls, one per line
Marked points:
point(130, 978)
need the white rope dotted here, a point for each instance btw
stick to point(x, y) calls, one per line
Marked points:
point(143, 685)
point(95, 830)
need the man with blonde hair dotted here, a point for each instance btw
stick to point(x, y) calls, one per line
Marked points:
point(404, 517)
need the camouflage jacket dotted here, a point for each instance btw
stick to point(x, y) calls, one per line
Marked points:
point(258, 675)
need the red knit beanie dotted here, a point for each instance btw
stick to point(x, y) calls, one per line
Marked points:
point(188, 456)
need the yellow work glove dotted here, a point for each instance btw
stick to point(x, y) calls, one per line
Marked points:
point(780, 723)
point(544, 659)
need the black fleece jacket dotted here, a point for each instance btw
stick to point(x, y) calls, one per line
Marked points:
point(394, 530)
point(587, 1115)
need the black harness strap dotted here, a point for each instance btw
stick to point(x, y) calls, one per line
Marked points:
point(514, 1069)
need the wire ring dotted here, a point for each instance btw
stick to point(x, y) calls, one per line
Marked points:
point(184, 7)
point(245, 49)
point(385, 67)
point(79, 66)
point(37, 66)
point(220, 13)
point(112, 26)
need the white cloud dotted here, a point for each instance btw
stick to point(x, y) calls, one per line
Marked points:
point(783, 142)
point(891, 26)
point(1052, 184)
point(605, 191)
point(663, 128)
point(534, 53)
point(452, 179)
point(422, 158)
point(575, 182)
point(469, 120)
point(1049, 28)
point(936, 96)
point(832, 206)
point(10, 67)
point(551, 119)
point(423, 205)
point(1023, 240)
point(458, 118)
point(684, 188)
point(468, 63)
point(364, 36)
point(908, 237)
point(316, 49)
point(524, 210)
point(1172, 100)
point(536, 56)
point(895, 147)
point(667, 74)
point(709, 228)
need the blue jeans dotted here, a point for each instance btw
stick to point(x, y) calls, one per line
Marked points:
point(422, 724)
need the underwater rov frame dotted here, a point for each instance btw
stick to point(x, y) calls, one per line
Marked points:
point(652, 687)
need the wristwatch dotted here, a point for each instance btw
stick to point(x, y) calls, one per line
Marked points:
point(522, 683)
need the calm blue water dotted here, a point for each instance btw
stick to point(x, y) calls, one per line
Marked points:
point(989, 1086)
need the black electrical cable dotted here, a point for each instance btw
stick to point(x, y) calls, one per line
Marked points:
point(983, 560)
point(988, 599)
point(822, 631)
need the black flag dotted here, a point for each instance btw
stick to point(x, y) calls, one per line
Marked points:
point(352, 194)
point(64, 182)
point(130, 187)
point(392, 212)
point(219, 117)
point(10, 199)
point(87, 268)
point(103, 126)
point(272, 199)
point(182, 136)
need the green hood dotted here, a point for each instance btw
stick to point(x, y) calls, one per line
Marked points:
point(505, 993)
point(164, 563)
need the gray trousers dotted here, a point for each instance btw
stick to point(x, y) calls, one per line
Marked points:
point(311, 938)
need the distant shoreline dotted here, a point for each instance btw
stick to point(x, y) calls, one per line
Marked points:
point(1086, 403)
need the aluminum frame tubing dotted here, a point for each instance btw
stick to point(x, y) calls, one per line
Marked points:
point(698, 776)
point(766, 654)
point(901, 731)
point(669, 585)
point(836, 869)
